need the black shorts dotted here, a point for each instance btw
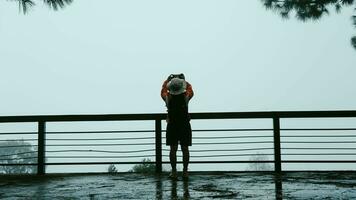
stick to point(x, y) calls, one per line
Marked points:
point(179, 133)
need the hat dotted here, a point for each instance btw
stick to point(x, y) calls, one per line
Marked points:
point(181, 76)
point(176, 86)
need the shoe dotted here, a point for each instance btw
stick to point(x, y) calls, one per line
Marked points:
point(173, 175)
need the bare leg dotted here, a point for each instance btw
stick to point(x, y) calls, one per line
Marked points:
point(173, 157)
point(185, 150)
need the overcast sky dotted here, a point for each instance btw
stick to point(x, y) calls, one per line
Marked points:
point(99, 57)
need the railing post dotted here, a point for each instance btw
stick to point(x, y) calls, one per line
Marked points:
point(41, 166)
point(158, 130)
point(277, 144)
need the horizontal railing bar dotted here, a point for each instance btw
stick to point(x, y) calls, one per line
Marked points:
point(197, 137)
point(210, 150)
point(17, 164)
point(213, 143)
point(321, 148)
point(150, 131)
point(197, 130)
point(103, 132)
point(318, 161)
point(318, 129)
point(30, 145)
point(318, 154)
point(231, 137)
point(280, 114)
point(137, 162)
point(84, 139)
point(223, 155)
point(140, 156)
point(14, 140)
point(71, 118)
point(227, 161)
point(63, 145)
point(232, 130)
point(123, 144)
point(193, 156)
point(136, 156)
point(314, 142)
point(97, 163)
point(315, 114)
point(76, 163)
point(26, 158)
point(19, 133)
point(21, 153)
point(164, 162)
point(161, 116)
point(322, 136)
point(101, 151)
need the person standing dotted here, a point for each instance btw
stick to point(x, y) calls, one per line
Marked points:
point(178, 93)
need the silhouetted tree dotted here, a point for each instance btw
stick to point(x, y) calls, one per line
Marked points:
point(17, 152)
point(112, 169)
point(145, 167)
point(305, 10)
point(353, 41)
point(24, 5)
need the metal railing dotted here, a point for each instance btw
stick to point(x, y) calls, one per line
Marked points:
point(277, 148)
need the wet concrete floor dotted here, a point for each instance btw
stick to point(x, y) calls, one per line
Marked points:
point(202, 185)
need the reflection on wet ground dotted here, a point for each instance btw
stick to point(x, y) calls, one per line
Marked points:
point(292, 185)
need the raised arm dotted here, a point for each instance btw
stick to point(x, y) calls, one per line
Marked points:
point(164, 90)
point(189, 91)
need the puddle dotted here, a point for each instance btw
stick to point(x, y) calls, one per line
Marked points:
point(200, 186)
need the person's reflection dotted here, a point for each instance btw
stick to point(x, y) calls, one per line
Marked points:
point(159, 188)
point(174, 190)
point(186, 194)
point(41, 191)
point(174, 193)
point(278, 186)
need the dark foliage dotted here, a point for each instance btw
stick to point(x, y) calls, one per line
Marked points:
point(112, 169)
point(146, 167)
point(306, 9)
point(25, 5)
point(17, 152)
point(309, 9)
point(353, 41)
point(259, 166)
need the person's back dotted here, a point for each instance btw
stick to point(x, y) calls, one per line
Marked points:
point(178, 109)
point(179, 131)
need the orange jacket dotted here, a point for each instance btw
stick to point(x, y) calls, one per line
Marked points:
point(164, 91)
